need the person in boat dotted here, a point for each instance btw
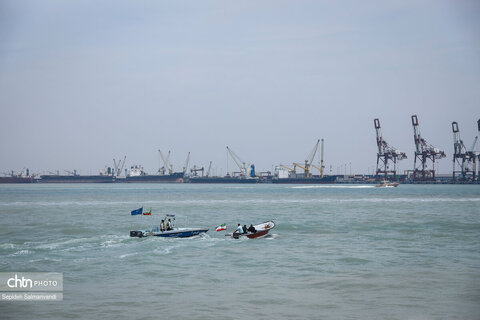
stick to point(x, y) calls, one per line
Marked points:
point(239, 229)
point(162, 226)
point(169, 225)
point(244, 228)
point(251, 229)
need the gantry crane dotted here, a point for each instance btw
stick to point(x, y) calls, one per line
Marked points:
point(423, 153)
point(385, 154)
point(464, 161)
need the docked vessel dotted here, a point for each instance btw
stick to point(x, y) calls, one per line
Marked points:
point(22, 177)
point(303, 180)
point(137, 174)
point(226, 179)
point(284, 174)
point(74, 177)
point(17, 179)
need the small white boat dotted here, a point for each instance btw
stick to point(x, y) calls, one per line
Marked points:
point(386, 183)
point(262, 230)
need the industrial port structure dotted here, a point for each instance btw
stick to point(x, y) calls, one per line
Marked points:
point(465, 167)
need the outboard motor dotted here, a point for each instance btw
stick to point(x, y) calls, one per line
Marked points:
point(135, 234)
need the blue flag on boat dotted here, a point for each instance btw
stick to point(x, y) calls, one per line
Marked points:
point(138, 211)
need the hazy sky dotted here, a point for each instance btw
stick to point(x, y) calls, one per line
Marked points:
point(83, 82)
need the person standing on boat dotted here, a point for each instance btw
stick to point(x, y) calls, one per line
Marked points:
point(169, 225)
point(162, 226)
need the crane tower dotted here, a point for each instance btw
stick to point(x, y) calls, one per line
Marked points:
point(464, 161)
point(385, 154)
point(423, 153)
point(309, 161)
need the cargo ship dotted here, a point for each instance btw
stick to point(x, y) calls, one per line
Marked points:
point(304, 180)
point(226, 179)
point(76, 179)
point(284, 174)
point(22, 177)
point(136, 174)
point(17, 179)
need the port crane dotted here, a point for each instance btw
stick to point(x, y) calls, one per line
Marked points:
point(72, 173)
point(423, 153)
point(245, 169)
point(196, 169)
point(385, 154)
point(464, 161)
point(309, 160)
point(294, 170)
point(118, 167)
point(186, 163)
point(209, 169)
point(166, 163)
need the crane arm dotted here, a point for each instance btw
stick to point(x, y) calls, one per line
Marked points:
point(165, 161)
point(304, 168)
point(289, 169)
point(186, 163)
point(314, 151)
point(238, 161)
point(474, 144)
point(121, 168)
point(209, 168)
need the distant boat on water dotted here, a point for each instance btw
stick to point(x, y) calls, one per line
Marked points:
point(386, 183)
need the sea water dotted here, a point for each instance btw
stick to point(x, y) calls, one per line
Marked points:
point(337, 251)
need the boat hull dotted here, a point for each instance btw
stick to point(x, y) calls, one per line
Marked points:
point(222, 180)
point(262, 230)
point(313, 180)
point(257, 234)
point(76, 179)
point(17, 180)
point(177, 233)
point(176, 177)
point(387, 185)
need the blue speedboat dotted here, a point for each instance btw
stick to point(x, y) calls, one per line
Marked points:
point(175, 233)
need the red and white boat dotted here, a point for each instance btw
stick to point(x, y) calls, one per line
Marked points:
point(262, 230)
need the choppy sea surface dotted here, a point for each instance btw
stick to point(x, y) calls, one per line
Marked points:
point(337, 251)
